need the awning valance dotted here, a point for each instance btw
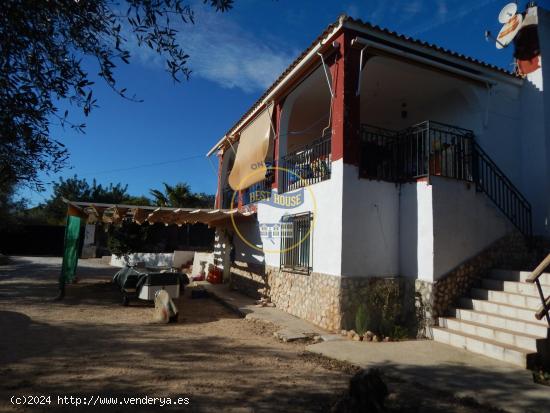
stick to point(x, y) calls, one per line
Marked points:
point(249, 166)
point(143, 214)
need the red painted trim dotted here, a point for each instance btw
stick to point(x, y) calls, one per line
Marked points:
point(218, 201)
point(346, 106)
point(276, 141)
point(337, 119)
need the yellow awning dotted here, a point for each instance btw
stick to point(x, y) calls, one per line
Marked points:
point(249, 166)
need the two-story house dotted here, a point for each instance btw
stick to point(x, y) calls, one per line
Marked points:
point(377, 156)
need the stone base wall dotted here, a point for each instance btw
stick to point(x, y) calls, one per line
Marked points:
point(328, 301)
point(314, 297)
point(436, 298)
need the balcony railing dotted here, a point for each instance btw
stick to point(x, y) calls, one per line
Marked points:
point(435, 149)
point(428, 148)
point(259, 191)
point(308, 165)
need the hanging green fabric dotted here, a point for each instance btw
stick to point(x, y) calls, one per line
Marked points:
point(70, 253)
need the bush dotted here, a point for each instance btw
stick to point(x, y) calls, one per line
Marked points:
point(380, 311)
point(361, 320)
point(127, 238)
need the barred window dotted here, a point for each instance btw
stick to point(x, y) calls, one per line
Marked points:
point(296, 242)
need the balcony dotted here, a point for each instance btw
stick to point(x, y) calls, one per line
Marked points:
point(436, 149)
point(306, 166)
point(428, 148)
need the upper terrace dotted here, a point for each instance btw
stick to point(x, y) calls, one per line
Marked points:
point(356, 79)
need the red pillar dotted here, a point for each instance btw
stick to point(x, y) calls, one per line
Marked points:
point(276, 141)
point(218, 202)
point(346, 105)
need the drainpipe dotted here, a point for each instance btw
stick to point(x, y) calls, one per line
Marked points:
point(363, 50)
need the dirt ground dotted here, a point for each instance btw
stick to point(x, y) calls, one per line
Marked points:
point(89, 345)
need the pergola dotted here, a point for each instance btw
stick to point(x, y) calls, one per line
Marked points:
point(95, 212)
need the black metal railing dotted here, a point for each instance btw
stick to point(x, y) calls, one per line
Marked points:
point(259, 191)
point(306, 166)
point(429, 148)
point(296, 242)
point(490, 179)
point(436, 149)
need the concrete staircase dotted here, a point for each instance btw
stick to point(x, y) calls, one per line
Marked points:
point(498, 320)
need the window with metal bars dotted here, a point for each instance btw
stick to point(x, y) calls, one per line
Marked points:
point(296, 248)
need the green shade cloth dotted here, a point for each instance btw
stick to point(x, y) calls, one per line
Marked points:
point(70, 253)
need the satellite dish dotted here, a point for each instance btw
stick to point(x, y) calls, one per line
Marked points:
point(509, 30)
point(507, 12)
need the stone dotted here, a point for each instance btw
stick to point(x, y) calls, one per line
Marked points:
point(387, 339)
point(367, 393)
point(357, 337)
point(289, 335)
point(351, 333)
point(344, 332)
point(376, 339)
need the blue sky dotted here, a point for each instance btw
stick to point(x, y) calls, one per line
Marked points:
point(235, 56)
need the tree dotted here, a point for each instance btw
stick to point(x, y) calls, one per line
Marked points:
point(10, 209)
point(76, 189)
point(43, 47)
point(181, 196)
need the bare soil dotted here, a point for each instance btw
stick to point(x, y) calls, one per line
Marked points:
point(89, 345)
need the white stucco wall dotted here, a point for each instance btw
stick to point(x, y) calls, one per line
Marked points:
point(324, 199)
point(418, 230)
point(464, 223)
point(416, 247)
point(370, 226)
point(535, 133)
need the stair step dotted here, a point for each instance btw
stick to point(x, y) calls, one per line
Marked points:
point(500, 309)
point(498, 335)
point(521, 276)
point(489, 348)
point(518, 300)
point(507, 323)
point(512, 287)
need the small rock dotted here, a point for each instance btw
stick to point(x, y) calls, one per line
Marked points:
point(357, 337)
point(367, 337)
point(387, 339)
point(376, 339)
point(344, 332)
point(351, 333)
point(369, 334)
point(270, 304)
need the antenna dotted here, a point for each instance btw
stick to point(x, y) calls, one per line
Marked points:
point(490, 36)
point(507, 12)
point(512, 23)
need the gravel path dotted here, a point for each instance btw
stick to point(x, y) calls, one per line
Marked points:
point(89, 345)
